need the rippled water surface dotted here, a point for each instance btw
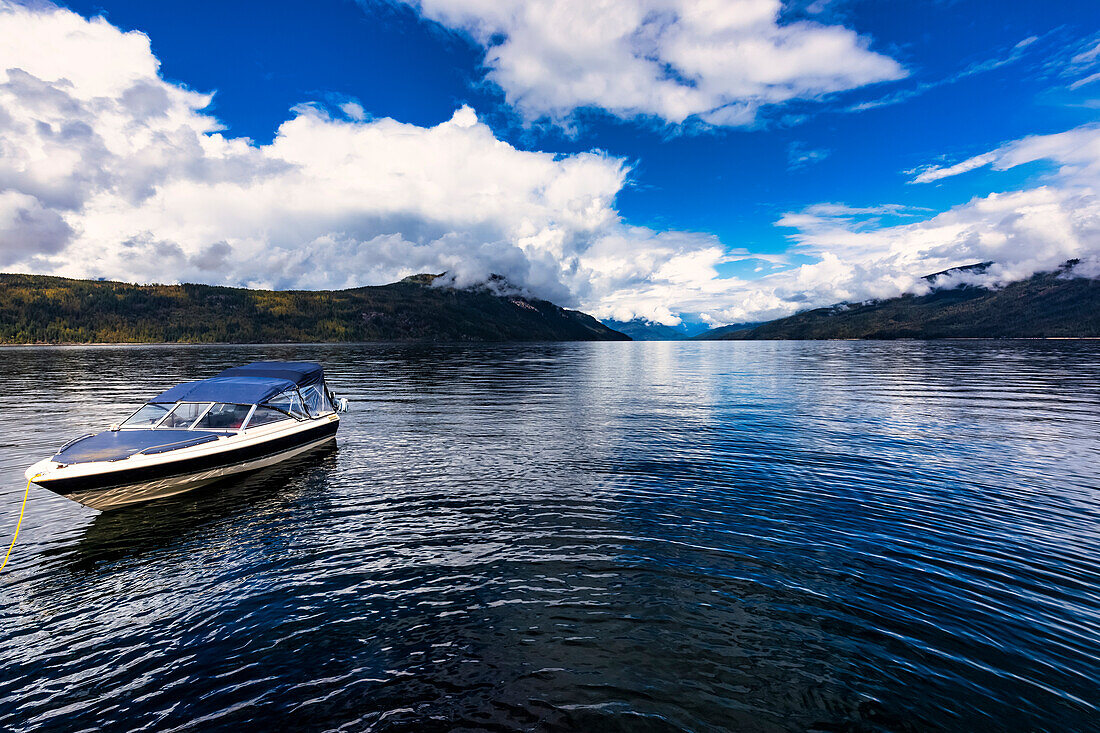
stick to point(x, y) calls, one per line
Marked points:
point(594, 537)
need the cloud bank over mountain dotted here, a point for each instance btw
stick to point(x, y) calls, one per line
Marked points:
point(107, 170)
point(1022, 232)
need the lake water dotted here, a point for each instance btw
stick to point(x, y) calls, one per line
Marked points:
point(595, 537)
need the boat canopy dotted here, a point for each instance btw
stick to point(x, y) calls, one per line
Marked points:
point(250, 384)
point(302, 373)
point(241, 390)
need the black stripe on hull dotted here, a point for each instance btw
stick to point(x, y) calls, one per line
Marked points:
point(246, 454)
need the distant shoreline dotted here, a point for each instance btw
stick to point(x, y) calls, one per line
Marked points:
point(490, 343)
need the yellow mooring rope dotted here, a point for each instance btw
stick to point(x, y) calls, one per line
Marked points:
point(20, 522)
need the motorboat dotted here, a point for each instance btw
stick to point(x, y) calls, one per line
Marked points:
point(244, 419)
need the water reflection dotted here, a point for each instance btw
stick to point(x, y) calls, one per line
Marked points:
point(167, 524)
point(777, 536)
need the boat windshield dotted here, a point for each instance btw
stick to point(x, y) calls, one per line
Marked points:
point(219, 416)
point(183, 415)
point(266, 416)
point(316, 398)
point(290, 403)
point(224, 416)
point(147, 416)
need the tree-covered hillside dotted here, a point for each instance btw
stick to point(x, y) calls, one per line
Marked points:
point(44, 309)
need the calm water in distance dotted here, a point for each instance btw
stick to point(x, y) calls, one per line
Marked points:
point(833, 536)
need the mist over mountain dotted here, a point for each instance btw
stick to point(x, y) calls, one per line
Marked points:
point(1064, 303)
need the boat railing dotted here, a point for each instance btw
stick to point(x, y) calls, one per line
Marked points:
point(74, 441)
point(165, 447)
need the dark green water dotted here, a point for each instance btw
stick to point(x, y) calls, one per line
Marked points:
point(593, 537)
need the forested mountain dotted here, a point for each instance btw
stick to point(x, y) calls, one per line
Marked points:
point(1050, 304)
point(45, 309)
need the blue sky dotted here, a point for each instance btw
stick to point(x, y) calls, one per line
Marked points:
point(926, 84)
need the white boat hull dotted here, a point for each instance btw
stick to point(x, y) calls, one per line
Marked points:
point(107, 485)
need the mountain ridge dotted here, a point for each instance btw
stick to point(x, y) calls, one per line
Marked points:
point(643, 329)
point(51, 310)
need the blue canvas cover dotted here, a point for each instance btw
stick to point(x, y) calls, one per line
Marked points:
point(239, 390)
point(301, 373)
point(116, 445)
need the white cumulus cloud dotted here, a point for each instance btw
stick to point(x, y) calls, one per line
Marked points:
point(717, 60)
point(1077, 151)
